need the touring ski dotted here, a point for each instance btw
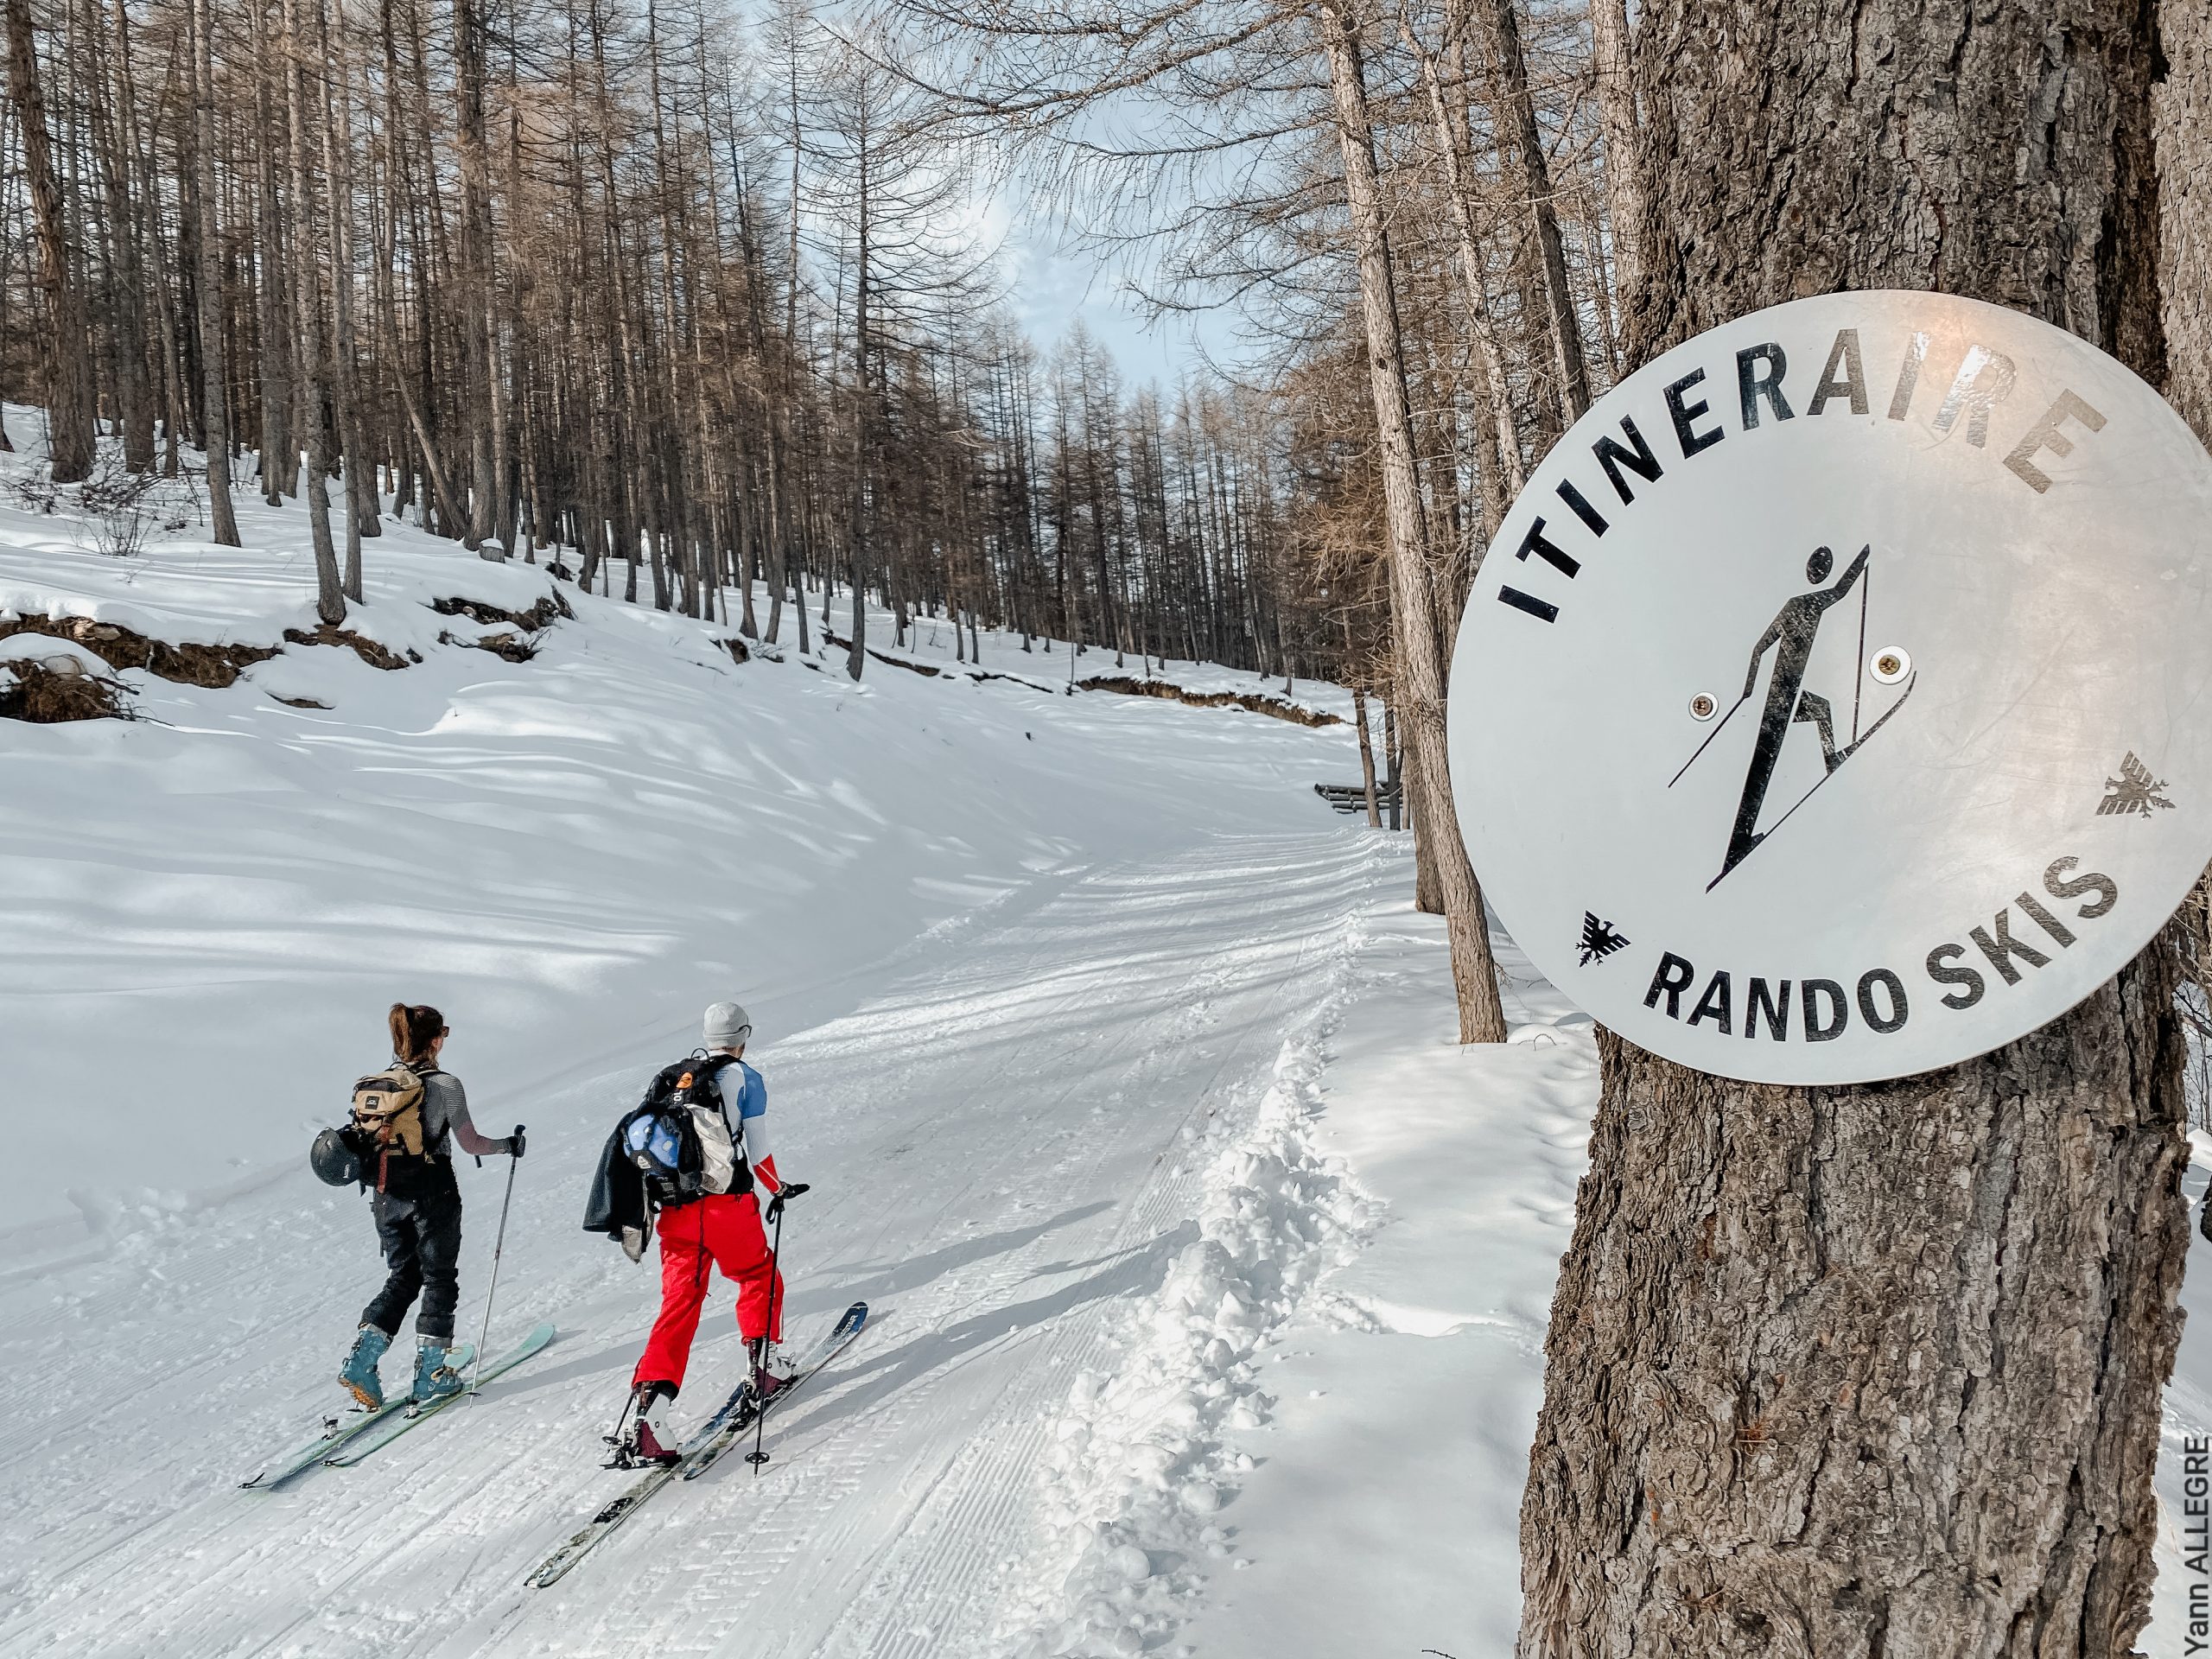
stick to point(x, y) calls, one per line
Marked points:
point(716, 1435)
point(393, 1424)
point(337, 1431)
point(849, 1325)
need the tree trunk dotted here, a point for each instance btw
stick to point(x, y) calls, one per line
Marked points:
point(280, 455)
point(1428, 880)
point(214, 384)
point(474, 275)
point(307, 300)
point(1412, 600)
point(2183, 110)
point(344, 380)
point(1394, 777)
point(1498, 456)
point(69, 347)
point(114, 133)
point(1520, 152)
point(1876, 1369)
point(856, 650)
point(1366, 758)
point(1624, 192)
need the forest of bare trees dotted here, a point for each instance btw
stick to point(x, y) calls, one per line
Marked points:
point(1417, 209)
point(660, 295)
point(674, 295)
point(667, 294)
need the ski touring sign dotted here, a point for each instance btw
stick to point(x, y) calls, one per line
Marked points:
point(1833, 703)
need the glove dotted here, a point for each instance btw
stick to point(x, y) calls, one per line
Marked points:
point(515, 1143)
point(788, 1190)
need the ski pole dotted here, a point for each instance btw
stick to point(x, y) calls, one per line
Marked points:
point(499, 1244)
point(757, 1457)
point(1709, 736)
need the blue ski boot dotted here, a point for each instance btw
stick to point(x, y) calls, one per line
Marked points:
point(434, 1378)
point(358, 1373)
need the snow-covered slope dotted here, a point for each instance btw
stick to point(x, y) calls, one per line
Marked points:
point(1026, 968)
point(564, 854)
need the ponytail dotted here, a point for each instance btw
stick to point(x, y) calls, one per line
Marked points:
point(414, 1026)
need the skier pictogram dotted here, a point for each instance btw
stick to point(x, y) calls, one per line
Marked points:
point(2132, 791)
point(1599, 940)
point(1791, 635)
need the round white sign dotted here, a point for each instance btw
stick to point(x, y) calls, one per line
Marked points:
point(1833, 704)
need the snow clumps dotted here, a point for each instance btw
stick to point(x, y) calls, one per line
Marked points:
point(1143, 1465)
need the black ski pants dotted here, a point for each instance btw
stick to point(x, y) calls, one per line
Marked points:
point(421, 1238)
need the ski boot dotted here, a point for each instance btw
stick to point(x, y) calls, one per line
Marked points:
point(434, 1378)
point(648, 1439)
point(358, 1373)
point(768, 1380)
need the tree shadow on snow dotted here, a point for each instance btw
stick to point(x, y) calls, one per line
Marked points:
point(910, 1272)
point(1133, 1272)
point(803, 1303)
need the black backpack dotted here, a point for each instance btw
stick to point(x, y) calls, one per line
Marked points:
point(661, 1137)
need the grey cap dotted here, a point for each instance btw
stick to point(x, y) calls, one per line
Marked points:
point(727, 1025)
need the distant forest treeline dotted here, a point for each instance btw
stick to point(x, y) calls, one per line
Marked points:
point(681, 295)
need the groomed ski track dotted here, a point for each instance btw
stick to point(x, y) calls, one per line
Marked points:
point(1002, 1135)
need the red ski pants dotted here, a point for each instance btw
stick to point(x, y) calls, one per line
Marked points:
point(719, 1230)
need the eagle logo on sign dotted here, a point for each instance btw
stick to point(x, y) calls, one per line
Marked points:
point(2132, 791)
point(1599, 939)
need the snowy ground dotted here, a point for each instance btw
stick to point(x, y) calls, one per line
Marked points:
point(1039, 980)
point(1210, 1277)
point(1382, 1517)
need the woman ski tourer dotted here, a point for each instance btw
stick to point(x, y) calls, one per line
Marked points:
point(688, 1162)
point(408, 1120)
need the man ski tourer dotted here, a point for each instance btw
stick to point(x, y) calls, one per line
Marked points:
point(406, 1122)
point(687, 1162)
point(1791, 635)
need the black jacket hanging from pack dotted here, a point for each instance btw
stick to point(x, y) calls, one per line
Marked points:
point(626, 1190)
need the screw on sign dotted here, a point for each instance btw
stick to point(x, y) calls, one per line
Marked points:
point(1829, 706)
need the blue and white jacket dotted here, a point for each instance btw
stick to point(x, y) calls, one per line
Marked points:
point(745, 1104)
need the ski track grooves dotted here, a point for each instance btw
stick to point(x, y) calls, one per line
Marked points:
point(1004, 1144)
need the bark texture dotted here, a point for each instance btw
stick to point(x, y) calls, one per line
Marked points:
point(1625, 193)
point(1798, 147)
point(1867, 1371)
point(1876, 1370)
point(2183, 110)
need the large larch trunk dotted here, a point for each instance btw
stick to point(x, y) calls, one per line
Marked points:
point(1876, 1369)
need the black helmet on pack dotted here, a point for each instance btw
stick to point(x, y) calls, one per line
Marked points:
point(334, 1158)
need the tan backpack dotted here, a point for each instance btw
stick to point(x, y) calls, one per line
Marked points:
point(388, 1111)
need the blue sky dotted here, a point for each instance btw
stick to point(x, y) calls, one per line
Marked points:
point(1053, 287)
